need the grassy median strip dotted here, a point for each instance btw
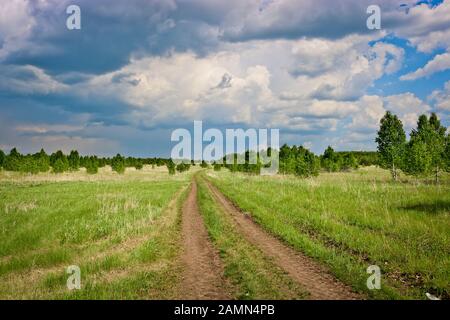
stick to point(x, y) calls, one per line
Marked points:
point(253, 275)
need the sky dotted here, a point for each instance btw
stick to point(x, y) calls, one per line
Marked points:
point(138, 69)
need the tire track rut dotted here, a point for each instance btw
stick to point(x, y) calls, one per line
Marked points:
point(308, 273)
point(203, 274)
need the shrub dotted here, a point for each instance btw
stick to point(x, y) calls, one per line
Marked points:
point(118, 164)
point(171, 167)
point(139, 165)
point(181, 167)
point(204, 164)
point(91, 165)
point(2, 158)
point(74, 160)
point(61, 165)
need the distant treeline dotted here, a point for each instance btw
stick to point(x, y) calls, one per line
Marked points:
point(293, 160)
point(59, 162)
point(300, 161)
point(427, 152)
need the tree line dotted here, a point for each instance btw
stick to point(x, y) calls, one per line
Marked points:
point(59, 162)
point(302, 162)
point(426, 153)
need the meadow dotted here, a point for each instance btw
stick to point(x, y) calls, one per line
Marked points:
point(124, 232)
point(351, 220)
point(121, 230)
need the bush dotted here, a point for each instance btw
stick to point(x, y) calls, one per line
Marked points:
point(299, 161)
point(2, 158)
point(42, 161)
point(61, 165)
point(171, 167)
point(204, 164)
point(74, 160)
point(91, 165)
point(118, 164)
point(181, 167)
point(139, 165)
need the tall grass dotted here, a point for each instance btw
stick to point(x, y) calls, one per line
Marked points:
point(352, 220)
point(122, 232)
point(253, 275)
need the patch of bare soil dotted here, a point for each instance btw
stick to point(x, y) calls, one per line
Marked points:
point(203, 275)
point(320, 284)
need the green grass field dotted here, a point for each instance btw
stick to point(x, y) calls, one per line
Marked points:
point(352, 220)
point(123, 231)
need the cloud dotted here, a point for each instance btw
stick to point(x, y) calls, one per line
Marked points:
point(138, 69)
point(408, 107)
point(425, 26)
point(299, 19)
point(16, 24)
point(247, 83)
point(371, 109)
point(441, 98)
point(439, 63)
point(27, 79)
point(341, 69)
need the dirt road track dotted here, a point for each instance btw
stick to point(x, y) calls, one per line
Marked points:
point(203, 277)
point(308, 273)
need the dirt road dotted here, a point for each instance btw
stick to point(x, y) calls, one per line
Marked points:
point(308, 273)
point(203, 276)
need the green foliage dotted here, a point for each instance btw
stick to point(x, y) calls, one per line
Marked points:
point(331, 161)
point(447, 153)
point(365, 158)
point(426, 149)
point(391, 140)
point(91, 165)
point(349, 161)
point(217, 166)
point(59, 162)
point(171, 167)
point(43, 161)
point(35, 163)
point(2, 158)
point(298, 161)
point(118, 164)
point(14, 153)
point(138, 165)
point(60, 165)
point(181, 167)
point(418, 160)
point(204, 164)
point(12, 161)
point(74, 160)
